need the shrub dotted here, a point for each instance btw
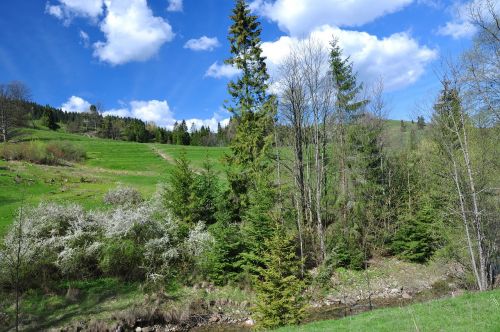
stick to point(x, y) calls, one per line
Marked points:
point(123, 196)
point(65, 151)
point(121, 258)
point(129, 241)
point(39, 153)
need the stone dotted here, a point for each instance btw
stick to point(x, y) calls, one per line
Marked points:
point(406, 296)
point(138, 329)
point(249, 322)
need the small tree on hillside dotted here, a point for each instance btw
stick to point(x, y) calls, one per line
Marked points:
point(278, 286)
point(178, 194)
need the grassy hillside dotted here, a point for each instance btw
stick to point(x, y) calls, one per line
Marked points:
point(109, 164)
point(470, 312)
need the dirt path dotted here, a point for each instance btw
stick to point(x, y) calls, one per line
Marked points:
point(163, 155)
point(168, 158)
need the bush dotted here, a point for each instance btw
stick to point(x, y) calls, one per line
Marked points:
point(39, 153)
point(123, 196)
point(130, 241)
point(121, 258)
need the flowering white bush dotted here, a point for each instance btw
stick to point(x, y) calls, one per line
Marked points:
point(123, 196)
point(136, 241)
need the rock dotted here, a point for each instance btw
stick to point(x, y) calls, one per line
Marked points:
point(214, 318)
point(406, 296)
point(249, 322)
point(394, 291)
point(457, 292)
point(138, 329)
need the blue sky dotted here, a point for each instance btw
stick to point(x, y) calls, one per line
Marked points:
point(162, 60)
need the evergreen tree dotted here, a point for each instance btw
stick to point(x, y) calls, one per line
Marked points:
point(252, 108)
point(49, 120)
point(178, 194)
point(205, 195)
point(348, 108)
point(278, 286)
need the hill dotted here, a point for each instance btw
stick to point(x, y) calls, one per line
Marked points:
point(109, 163)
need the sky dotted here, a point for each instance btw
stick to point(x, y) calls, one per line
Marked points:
point(163, 60)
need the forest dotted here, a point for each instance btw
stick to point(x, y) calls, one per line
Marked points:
point(313, 185)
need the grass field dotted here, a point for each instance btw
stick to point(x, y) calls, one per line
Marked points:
point(470, 312)
point(109, 164)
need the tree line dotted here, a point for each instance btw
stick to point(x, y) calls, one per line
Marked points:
point(17, 112)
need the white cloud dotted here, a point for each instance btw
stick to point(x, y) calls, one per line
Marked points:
point(68, 9)
point(457, 29)
point(398, 59)
point(157, 111)
point(461, 26)
point(76, 104)
point(174, 6)
point(219, 71)
point(221, 117)
point(299, 17)
point(85, 38)
point(132, 32)
point(202, 44)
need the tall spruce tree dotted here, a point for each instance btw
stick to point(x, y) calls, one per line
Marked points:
point(348, 107)
point(251, 106)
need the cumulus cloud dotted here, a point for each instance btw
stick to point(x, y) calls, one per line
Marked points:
point(157, 111)
point(132, 32)
point(76, 104)
point(203, 43)
point(398, 59)
point(217, 70)
point(299, 17)
point(174, 6)
point(68, 9)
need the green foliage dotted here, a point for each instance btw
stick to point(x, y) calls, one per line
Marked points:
point(277, 284)
point(249, 90)
point(205, 194)
point(416, 239)
point(178, 194)
point(49, 120)
point(122, 258)
point(345, 82)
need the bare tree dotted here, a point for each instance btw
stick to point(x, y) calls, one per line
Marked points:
point(481, 64)
point(12, 114)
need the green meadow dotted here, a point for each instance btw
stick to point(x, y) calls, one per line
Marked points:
point(468, 313)
point(108, 164)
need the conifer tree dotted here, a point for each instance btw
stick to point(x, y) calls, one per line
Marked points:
point(278, 286)
point(178, 194)
point(348, 108)
point(251, 106)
